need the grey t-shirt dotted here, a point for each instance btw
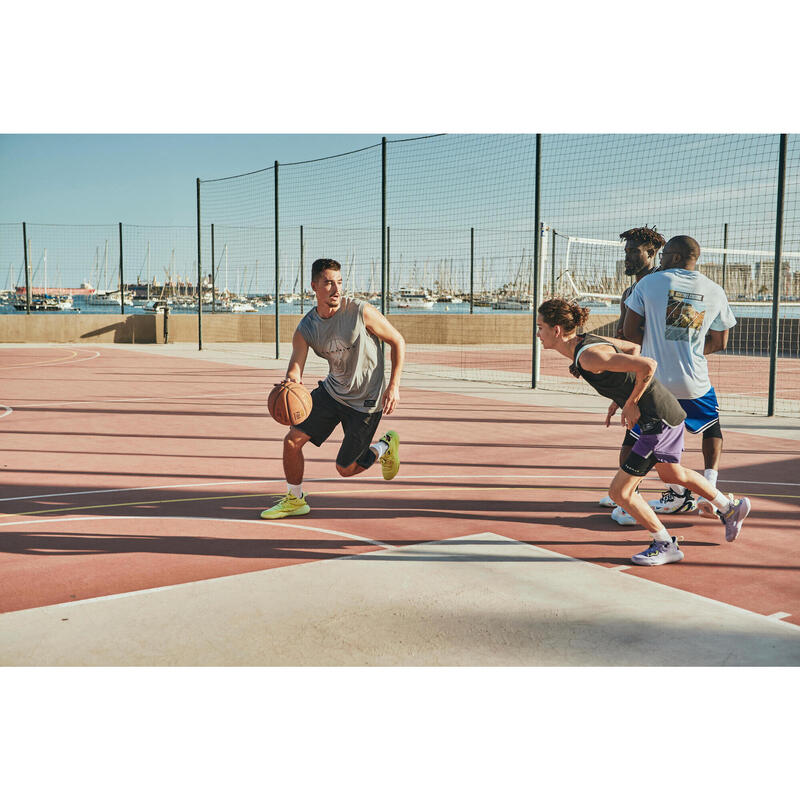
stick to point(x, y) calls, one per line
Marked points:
point(353, 354)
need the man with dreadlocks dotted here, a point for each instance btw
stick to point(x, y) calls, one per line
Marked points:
point(641, 247)
point(679, 316)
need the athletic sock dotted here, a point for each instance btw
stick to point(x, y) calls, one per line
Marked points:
point(721, 502)
point(711, 476)
point(379, 448)
point(677, 489)
point(661, 536)
point(297, 491)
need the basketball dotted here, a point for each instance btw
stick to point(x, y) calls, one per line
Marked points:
point(289, 403)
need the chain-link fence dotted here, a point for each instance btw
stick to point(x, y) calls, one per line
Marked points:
point(440, 233)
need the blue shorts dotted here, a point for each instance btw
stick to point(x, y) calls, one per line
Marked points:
point(701, 413)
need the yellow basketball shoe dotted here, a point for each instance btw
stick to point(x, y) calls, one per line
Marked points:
point(390, 460)
point(287, 506)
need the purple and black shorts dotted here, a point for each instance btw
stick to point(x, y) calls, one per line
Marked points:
point(666, 446)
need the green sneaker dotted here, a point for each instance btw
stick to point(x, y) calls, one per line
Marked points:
point(287, 506)
point(390, 460)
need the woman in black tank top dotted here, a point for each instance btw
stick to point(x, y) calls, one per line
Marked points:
point(616, 370)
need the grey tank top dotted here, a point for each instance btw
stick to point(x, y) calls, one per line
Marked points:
point(353, 354)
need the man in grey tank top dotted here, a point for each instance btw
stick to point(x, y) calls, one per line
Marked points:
point(348, 334)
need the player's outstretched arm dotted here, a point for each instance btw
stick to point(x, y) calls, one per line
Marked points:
point(379, 326)
point(297, 362)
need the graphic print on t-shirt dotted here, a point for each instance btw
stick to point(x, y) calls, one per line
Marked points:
point(685, 311)
point(336, 352)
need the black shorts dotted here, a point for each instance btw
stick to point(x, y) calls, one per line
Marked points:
point(326, 413)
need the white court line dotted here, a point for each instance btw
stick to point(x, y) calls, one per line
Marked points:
point(211, 519)
point(100, 401)
point(779, 615)
point(775, 617)
point(603, 477)
point(96, 354)
point(305, 480)
point(205, 581)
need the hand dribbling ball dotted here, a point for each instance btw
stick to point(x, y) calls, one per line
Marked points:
point(289, 403)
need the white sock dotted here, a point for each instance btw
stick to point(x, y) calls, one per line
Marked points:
point(379, 448)
point(661, 536)
point(297, 491)
point(680, 490)
point(711, 476)
point(721, 502)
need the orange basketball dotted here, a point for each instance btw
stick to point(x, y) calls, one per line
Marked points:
point(289, 403)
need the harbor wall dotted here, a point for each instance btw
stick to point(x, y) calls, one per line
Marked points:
point(750, 335)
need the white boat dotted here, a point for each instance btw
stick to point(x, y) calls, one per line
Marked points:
point(448, 298)
point(410, 298)
point(513, 304)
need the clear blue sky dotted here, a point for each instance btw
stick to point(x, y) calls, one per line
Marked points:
point(138, 179)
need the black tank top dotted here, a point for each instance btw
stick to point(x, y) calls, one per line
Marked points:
point(656, 405)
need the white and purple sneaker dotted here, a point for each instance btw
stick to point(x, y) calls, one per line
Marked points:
point(672, 503)
point(659, 553)
point(733, 518)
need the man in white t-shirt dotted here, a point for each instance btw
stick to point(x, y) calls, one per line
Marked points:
point(685, 316)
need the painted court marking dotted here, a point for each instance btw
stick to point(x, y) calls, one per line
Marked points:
point(72, 358)
point(207, 581)
point(605, 477)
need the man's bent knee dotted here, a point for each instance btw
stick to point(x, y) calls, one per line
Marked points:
point(346, 472)
point(296, 438)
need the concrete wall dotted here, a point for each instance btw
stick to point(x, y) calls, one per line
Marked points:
point(748, 336)
point(77, 328)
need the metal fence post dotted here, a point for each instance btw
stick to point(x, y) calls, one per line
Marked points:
point(383, 225)
point(471, 269)
point(553, 264)
point(199, 277)
point(724, 253)
point(27, 270)
point(776, 277)
point(213, 273)
point(277, 276)
point(121, 275)
point(302, 283)
point(388, 269)
point(536, 248)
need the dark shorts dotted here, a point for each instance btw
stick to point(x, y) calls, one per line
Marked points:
point(702, 413)
point(665, 446)
point(326, 413)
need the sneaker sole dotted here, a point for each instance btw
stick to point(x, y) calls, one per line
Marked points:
point(684, 509)
point(625, 523)
point(281, 514)
point(659, 563)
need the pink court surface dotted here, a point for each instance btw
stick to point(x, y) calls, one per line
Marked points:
point(134, 476)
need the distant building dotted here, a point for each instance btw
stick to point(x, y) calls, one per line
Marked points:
point(765, 275)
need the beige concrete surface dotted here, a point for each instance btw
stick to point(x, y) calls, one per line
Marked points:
point(481, 600)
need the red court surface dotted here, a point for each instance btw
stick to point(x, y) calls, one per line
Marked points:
point(126, 470)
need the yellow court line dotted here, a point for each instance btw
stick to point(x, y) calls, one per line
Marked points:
point(45, 363)
point(133, 504)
